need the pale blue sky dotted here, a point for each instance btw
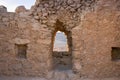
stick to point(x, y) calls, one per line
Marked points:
point(12, 4)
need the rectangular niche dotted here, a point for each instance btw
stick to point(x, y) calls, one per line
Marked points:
point(115, 53)
point(21, 50)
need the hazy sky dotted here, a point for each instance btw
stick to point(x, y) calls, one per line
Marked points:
point(12, 4)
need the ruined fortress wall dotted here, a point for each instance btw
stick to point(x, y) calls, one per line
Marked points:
point(19, 29)
point(92, 30)
point(6, 47)
point(96, 36)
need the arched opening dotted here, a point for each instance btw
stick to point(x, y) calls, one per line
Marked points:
point(61, 48)
point(60, 42)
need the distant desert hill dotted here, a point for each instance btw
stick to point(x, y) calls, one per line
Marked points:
point(60, 43)
point(61, 37)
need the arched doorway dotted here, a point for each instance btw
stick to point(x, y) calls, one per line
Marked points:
point(62, 49)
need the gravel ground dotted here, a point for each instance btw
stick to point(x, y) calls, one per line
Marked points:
point(38, 78)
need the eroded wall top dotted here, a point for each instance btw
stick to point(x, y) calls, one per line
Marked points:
point(3, 9)
point(66, 11)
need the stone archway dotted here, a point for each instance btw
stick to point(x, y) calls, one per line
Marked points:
point(65, 58)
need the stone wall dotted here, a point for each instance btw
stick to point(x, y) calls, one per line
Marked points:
point(96, 35)
point(92, 27)
point(3, 9)
point(19, 29)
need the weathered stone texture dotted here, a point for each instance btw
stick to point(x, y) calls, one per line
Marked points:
point(20, 9)
point(3, 9)
point(92, 28)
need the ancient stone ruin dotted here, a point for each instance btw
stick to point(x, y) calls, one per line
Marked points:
point(92, 28)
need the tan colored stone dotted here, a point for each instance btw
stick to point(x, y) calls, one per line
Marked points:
point(3, 8)
point(92, 28)
point(21, 41)
point(20, 9)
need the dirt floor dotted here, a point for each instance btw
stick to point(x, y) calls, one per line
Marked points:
point(38, 78)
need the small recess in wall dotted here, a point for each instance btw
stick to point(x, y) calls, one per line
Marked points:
point(21, 50)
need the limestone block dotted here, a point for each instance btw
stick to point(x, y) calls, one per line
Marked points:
point(77, 66)
point(20, 9)
point(3, 9)
point(21, 41)
point(44, 41)
point(76, 54)
point(36, 17)
point(5, 19)
point(35, 26)
point(70, 1)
